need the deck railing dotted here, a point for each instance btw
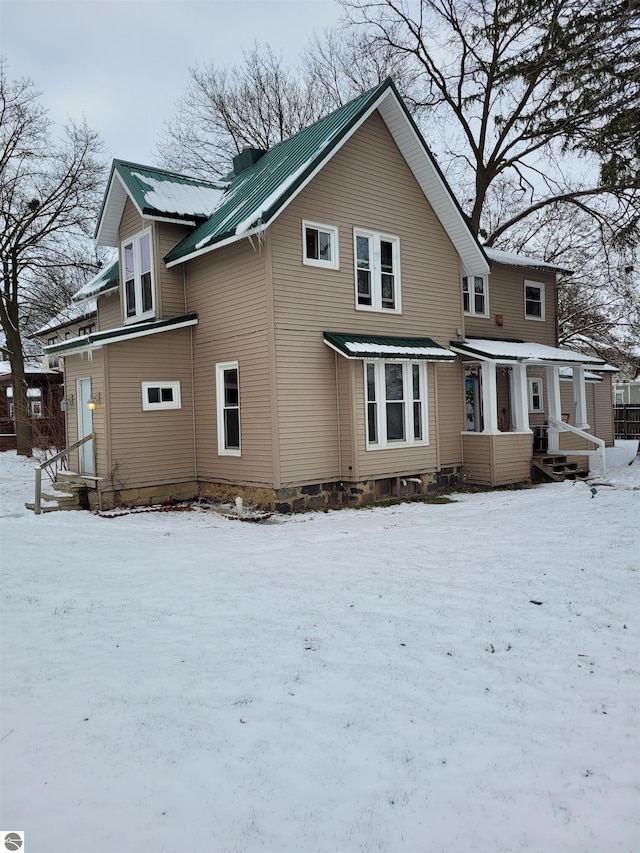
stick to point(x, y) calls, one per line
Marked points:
point(561, 426)
point(56, 463)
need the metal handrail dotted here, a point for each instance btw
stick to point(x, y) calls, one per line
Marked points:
point(561, 426)
point(37, 504)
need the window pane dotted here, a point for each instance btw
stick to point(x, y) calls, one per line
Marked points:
point(364, 287)
point(232, 428)
point(417, 421)
point(153, 395)
point(231, 387)
point(372, 422)
point(128, 261)
point(145, 254)
point(393, 382)
point(324, 242)
point(395, 421)
point(147, 299)
point(371, 382)
point(388, 300)
point(167, 395)
point(130, 292)
point(362, 248)
point(479, 294)
point(312, 243)
point(415, 372)
point(386, 256)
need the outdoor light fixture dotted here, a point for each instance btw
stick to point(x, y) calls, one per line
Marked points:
point(94, 399)
point(66, 403)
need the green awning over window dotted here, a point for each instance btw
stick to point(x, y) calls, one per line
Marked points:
point(379, 346)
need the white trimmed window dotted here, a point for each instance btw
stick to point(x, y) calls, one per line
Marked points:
point(320, 245)
point(396, 403)
point(228, 408)
point(475, 295)
point(535, 395)
point(137, 264)
point(377, 271)
point(533, 300)
point(160, 395)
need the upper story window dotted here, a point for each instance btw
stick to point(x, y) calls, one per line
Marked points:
point(138, 277)
point(396, 401)
point(53, 340)
point(475, 295)
point(377, 271)
point(87, 330)
point(320, 245)
point(533, 300)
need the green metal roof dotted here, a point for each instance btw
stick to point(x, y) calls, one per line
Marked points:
point(261, 190)
point(107, 279)
point(379, 346)
point(135, 330)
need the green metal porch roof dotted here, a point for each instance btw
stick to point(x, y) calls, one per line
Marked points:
point(382, 346)
point(122, 333)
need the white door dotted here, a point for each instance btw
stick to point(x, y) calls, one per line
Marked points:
point(85, 426)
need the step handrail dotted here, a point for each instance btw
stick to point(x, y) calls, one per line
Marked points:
point(37, 503)
point(561, 426)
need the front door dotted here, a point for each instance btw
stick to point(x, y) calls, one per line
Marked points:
point(85, 426)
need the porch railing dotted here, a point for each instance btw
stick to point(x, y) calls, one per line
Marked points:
point(561, 426)
point(56, 463)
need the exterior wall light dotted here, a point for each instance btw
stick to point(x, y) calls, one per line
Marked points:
point(66, 403)
point(93, 401)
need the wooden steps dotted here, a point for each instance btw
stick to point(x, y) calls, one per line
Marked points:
point(559, 467)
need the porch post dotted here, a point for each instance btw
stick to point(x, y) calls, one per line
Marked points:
point(489, 397)
point(553, 399)
point(579, 397)
point(520, 397)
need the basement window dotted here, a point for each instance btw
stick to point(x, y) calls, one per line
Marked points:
point(160, 395)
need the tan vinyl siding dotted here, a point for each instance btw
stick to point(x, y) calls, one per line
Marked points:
point(109, 312)
point(450, 413)
point(506, 297)
point(227, 289)
point(511, 458)
point(169, 282)
point(476, 454)
point(367, 184)
point(602, 418)
point(346, 407)
point(80, 367)
point(149, 447)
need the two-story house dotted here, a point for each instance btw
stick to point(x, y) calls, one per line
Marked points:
point(320, 328)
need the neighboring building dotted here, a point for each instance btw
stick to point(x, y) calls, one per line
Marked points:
point(320, 328)
point(44, 393)
point(74, 321)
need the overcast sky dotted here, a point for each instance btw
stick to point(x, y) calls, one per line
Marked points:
point(122, 64)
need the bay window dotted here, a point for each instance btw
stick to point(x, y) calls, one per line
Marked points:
point(396, 403)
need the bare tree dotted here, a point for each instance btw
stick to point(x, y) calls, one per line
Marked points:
point(49, 198)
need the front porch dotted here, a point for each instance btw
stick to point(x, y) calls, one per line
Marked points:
point(526, 412)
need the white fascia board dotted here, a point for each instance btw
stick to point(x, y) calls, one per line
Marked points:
point(433, 186)
point(109, 225)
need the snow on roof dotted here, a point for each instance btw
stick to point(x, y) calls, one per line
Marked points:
point(188, 199)
point(70, 314)
point(522, 351)
point(29, 367)
point(514, 260)
point(107, 279)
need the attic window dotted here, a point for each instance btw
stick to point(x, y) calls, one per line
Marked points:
point(138, 278)
point(320, 245)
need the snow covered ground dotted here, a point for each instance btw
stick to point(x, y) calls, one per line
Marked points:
point(456, 678)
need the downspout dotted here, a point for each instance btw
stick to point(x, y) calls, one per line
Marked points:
point(335, 362)
point(193, 387)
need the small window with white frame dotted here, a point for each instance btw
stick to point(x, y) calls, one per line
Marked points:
point(475, 295)
point(138, 296)
point(228, 408)
point(377, 271)
point(320, 245)
point(534, 300)
point(535, 395)
point(396, 403)
point(160, 395)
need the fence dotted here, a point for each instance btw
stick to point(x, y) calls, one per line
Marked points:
point(626, 421)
